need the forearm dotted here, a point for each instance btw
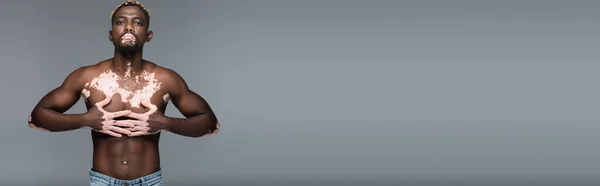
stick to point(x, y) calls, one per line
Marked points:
point(55, 121)
point(196, 126)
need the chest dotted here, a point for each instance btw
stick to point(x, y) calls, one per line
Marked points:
point(128, 91)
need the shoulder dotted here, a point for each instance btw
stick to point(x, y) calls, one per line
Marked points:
point(84, 73)
point(163, 74)
point(80, 75)
point(168, 77)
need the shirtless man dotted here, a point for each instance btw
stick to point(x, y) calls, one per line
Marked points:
point(126, 97)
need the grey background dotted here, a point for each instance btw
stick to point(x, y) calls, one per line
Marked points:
point(333, 90)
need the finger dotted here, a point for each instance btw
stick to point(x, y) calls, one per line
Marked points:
point(121, 113)
point(105, 101)
point(130, 130)
point(148, 104)
point(137, 128)
point(119, 130)
point(135, 123)
point(100, 105)
point(111, 133)
point(152, 108)
point(140, 133)
point(139, 123)
point(123, 123)
point(134, 129)
point(142, 117)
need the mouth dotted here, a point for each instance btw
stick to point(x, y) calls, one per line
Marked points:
point(127, 38)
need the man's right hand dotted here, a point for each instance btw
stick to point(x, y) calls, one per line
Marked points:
point(103, 121)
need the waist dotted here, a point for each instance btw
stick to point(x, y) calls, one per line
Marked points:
point(126, 167)
point(104, 179)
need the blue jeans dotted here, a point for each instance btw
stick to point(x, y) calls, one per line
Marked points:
point(99, 179)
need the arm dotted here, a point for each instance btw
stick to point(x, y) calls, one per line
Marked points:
point(48, 113)
point(200, 119)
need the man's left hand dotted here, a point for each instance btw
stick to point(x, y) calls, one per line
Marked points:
point(148, 123)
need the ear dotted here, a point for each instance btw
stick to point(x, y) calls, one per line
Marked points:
point(110, 37)
point(149, 36)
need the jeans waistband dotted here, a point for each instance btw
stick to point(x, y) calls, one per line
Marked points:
point(149, 179)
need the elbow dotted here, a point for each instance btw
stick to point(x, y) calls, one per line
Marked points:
point(210, 132)
point(30, 123)
point(33, 118)
point(33, 126)
point(216, 130)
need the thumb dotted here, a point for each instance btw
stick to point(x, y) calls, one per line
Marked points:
point(121, 113)
point(146, 103)
point(105, 101)
point(149, 105)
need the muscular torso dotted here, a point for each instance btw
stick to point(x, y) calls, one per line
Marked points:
point(125, 157)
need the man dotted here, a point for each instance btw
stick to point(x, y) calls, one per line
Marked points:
point(126, 97)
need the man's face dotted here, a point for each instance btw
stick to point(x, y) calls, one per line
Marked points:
point(129, 29)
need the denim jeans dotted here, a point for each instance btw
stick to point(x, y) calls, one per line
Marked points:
point(98, 179)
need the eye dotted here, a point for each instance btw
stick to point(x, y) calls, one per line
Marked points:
point(120, 22)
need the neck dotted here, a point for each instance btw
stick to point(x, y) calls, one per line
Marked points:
point(126, 63)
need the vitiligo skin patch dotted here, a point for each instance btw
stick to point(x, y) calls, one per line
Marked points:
point(128, 38)
point(110, 83)
point(85, 94)
point(166, 98)
point(132, 88)
point(31, 125)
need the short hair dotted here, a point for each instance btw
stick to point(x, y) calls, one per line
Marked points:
point(130, 3)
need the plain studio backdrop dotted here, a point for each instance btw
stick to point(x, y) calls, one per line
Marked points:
point(331, 90)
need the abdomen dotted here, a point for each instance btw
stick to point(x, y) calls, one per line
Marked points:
point(125, 157)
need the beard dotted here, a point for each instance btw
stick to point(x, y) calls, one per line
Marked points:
point(128, 47)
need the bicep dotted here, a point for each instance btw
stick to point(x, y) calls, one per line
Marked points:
point(185, 100)
point(66, 95)
point(60, 99)
point(191, 104)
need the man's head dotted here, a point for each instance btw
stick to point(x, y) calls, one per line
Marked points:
point(130, 21)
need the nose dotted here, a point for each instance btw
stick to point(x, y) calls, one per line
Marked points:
point(128, 28)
